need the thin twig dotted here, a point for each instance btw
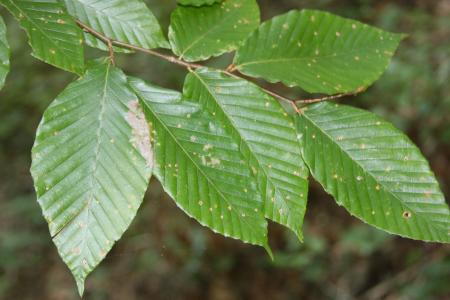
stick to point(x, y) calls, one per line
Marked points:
point(231, 68)
point(107, 40)
point(333, 97)
point(192, 66)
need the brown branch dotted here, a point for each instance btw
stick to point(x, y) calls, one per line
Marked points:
point(231, 68)
point(108, 41)
point(332, 97)
point(192, 66)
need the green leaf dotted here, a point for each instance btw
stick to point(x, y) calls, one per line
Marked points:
point(317, 51)
point(266, 135)
point(127, 21)
point(4, 53)
point(199, 162)
point(374, 171)
point(198, 2)
point(92, 161)
point(53, 35)
point(198, 33)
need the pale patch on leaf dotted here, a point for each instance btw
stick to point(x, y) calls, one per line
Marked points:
point(140, 135)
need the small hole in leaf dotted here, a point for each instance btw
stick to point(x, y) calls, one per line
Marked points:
point(407, 214)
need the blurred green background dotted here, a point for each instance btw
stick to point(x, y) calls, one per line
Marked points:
point(166, 255)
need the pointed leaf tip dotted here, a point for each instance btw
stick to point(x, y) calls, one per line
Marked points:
point(269, 251)
point(80, 287)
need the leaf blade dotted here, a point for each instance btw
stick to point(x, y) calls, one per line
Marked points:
point(199, 165)
point(376, 172)
point(317, 51)
point(52, 34)
point(269, 133)
point(90, 173)
point(198, 33)
point(125, 21)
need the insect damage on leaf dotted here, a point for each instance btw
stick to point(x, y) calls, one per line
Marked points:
point(140, 135)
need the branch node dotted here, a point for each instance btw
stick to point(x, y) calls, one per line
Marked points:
point(296, 108)
point(231, 68)
point(111, 52)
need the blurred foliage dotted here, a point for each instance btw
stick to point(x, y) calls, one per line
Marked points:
point(166, 255)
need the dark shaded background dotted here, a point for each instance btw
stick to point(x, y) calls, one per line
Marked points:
point(166, 255)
